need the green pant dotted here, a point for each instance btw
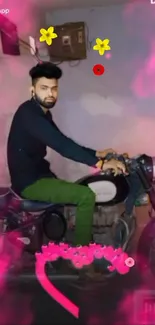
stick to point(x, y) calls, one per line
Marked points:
point(59, 191)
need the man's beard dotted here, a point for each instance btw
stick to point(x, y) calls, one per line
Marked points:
point(47, 105)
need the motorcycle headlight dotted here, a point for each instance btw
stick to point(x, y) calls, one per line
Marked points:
point(148, 164)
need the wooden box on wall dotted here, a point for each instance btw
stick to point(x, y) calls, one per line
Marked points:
point(70, 43)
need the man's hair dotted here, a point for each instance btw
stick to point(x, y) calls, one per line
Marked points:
point(45, 69)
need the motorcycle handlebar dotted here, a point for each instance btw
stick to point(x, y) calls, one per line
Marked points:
point(139, 165)
point(123, 158)
point(132, 165)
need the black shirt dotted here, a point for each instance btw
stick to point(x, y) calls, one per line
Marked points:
point(31, 132)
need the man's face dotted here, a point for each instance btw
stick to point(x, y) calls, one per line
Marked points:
point(45, 92)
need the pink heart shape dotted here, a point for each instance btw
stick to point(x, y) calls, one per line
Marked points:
point(53, 292)
point(79, 256)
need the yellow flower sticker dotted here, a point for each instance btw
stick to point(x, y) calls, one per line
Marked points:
point(47, 35)
point(102, 46)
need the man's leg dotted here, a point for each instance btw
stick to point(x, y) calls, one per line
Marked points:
point(59, 191)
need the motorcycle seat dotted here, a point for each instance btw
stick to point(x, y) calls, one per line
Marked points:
point(26, 205)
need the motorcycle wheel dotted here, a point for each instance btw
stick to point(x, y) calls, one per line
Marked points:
point(54, 225)
point(120, 239)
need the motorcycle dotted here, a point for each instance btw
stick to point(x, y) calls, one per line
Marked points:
point(38, 219)
point(101, 183)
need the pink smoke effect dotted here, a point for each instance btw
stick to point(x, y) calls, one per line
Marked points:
point(95, 170)
point(13, 66)
point(144, 82)
point(134, 305)
point(108, 56)
point(22, 16)
point(8, 255)
point(12, 308)
point(135, 16)
point(137, 307)
point(27, 25)
point(80, 256)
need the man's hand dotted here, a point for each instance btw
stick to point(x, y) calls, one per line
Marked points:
point(104, 153)
point(115, 165)
point(125, 155)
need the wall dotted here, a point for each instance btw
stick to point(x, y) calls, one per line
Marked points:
point(115, 110)
point(14, 79)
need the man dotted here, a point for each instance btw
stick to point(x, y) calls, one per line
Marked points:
point(32, 130)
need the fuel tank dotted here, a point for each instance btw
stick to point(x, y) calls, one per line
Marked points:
point(109, 189)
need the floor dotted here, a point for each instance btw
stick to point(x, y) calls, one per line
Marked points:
point(95, 305)
point(110, 303)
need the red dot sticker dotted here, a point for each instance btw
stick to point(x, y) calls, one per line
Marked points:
point(98, 69)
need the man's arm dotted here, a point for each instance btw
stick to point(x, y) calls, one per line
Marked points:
point(91, 152)
point(100, 154)
point(52, 137)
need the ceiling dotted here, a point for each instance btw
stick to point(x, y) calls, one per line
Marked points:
point(70, 4)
